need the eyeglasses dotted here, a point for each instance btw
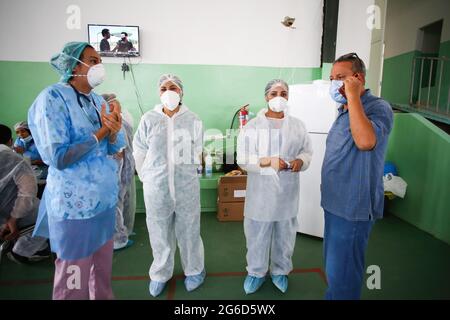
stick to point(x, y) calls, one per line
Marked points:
point(350, 55)
point(357, 63)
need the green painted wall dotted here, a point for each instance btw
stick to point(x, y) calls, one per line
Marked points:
point(326, 70)
point(213, 92)
point(397, 78)
point(421, 152)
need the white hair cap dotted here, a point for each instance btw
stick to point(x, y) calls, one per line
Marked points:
point(274, 83)
point(172, 78)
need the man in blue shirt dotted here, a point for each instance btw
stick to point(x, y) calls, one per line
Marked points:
point(352, 171)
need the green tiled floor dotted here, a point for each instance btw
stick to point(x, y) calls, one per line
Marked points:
point(414, 265)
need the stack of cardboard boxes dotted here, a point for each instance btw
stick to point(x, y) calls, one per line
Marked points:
point(231, 198)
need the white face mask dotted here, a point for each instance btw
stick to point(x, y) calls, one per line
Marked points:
point(27, 139)
point(170, 99)
point(278, 104)
point(95, 75)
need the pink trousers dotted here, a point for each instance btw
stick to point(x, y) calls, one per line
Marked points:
point(87, 278)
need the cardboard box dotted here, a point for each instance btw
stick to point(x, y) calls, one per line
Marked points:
point(232, 189)
point(230, 211)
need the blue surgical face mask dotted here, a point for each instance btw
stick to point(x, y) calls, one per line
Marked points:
point(334, 91)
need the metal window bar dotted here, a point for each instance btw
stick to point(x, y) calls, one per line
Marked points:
point(420, 83)
point(413, 75)
point(439, 86)
point(430, 77)
point(439, 63)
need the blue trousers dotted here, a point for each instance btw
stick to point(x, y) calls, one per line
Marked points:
point(345, 244)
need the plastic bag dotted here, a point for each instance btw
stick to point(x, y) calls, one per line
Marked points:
point(395, 184)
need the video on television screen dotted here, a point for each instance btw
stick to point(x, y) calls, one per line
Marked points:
point(114, 40)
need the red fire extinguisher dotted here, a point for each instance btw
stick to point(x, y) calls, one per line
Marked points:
point(243, 116)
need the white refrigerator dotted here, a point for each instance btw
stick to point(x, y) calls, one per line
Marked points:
point(312, 104)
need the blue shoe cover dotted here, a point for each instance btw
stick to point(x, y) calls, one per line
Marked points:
point(156, 287)
point(127, 245)
point(252, 284)
point(193, 282)
point(281, 282)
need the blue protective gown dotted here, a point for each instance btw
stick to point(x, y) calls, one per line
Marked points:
point(77, 212)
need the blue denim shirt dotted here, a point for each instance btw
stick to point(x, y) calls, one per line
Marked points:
point(352, 180)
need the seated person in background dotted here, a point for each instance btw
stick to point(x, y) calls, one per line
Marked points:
point(25, 146)
point(24, 143)
point(18, 203)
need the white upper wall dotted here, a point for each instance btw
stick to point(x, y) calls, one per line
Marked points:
point(353, 34)
point(405, 17)
point(232, 32)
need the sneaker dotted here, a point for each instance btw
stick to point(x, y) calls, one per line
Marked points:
point(14, 257)
point(41, 255)
point(38, 256)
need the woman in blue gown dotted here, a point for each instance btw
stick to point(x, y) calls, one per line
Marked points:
point(76, 133)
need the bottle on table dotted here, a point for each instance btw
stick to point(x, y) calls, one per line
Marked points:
point(208, 165)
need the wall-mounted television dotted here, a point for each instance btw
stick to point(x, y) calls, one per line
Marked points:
point(114, 40)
